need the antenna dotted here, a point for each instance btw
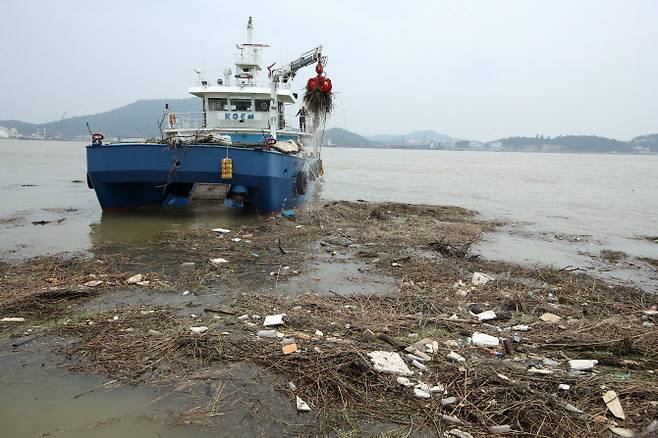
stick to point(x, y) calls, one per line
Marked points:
point(198, 72)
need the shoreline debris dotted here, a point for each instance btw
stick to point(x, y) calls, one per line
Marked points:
point(135, 279)
point(582, 364)
point(12, 319)
point(199, 329)
point(480, 278)
point(302, 406)
point(274, 320)
point(614, 405)
point(484, 340)
point(389, 363)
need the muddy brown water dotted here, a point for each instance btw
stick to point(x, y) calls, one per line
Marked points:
point(561, 209)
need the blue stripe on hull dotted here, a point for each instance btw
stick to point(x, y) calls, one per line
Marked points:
point(133, 175)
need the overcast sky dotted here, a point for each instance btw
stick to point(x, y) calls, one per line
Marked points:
point(471, 69)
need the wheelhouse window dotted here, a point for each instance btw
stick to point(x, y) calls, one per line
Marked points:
point(262, 105)
point(215, 104)
point(241, 104)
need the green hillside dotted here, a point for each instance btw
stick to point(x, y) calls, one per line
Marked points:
point(138, 119)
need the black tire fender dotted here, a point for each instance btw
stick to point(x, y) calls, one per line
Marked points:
point(301, 183)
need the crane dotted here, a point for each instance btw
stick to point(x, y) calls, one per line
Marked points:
point(284, 74)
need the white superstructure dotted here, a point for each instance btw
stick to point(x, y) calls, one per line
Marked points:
point(241, 101)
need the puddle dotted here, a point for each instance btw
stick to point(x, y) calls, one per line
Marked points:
point(38, 397)
point(557, 251)
point(340, 277)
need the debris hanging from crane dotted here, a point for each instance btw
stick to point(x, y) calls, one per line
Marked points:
point(318, 97)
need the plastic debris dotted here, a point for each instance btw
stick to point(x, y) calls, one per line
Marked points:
point(292, 386)
point(411, 357)
point(186, 293)
point(549, 363)
point(534, 370)
point(419, 365)
point(135, 279)
point(486, 316)
point(404, 381)
point(457, 433)
point(480, 278)
point(437, 388)
point(611, 400)
point(450, 419)
point(456, 357)
point(92, 283)
point(449, 401)
point(12, 319)
point(243, 317)
point(236, 239)
point(389, 362)
point(143, 283)
point(582, 364)
point(521, 328)
point(571, 408)
point(302, 406)
point(199, 329)
point(453, 317)
point(221, 230)
point(319, 333)
point(563, 387)
point(290, 214)
point(218, 261)
point(420, 393)
point(550, 318)
point(289, 349)
point(267, 333)
point(623, 432)
point(503, 428)
point(484, 340)
point(273, 320)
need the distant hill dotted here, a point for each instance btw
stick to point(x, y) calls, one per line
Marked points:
point(138, 119)
point(565, 143)
point(345, 138)
point(649, 142)
point(417, 137)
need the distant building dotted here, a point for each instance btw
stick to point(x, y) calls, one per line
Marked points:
point(495, 146)
point(6, 133)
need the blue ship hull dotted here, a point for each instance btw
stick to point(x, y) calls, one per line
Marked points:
point(138, 174)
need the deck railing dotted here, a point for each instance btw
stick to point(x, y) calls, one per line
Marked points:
point(197, 120)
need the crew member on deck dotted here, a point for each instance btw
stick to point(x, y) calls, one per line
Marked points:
point(302, 118)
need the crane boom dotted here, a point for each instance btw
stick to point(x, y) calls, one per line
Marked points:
point(284, 74)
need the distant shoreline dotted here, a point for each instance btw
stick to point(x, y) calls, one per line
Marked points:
point(400, 147)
